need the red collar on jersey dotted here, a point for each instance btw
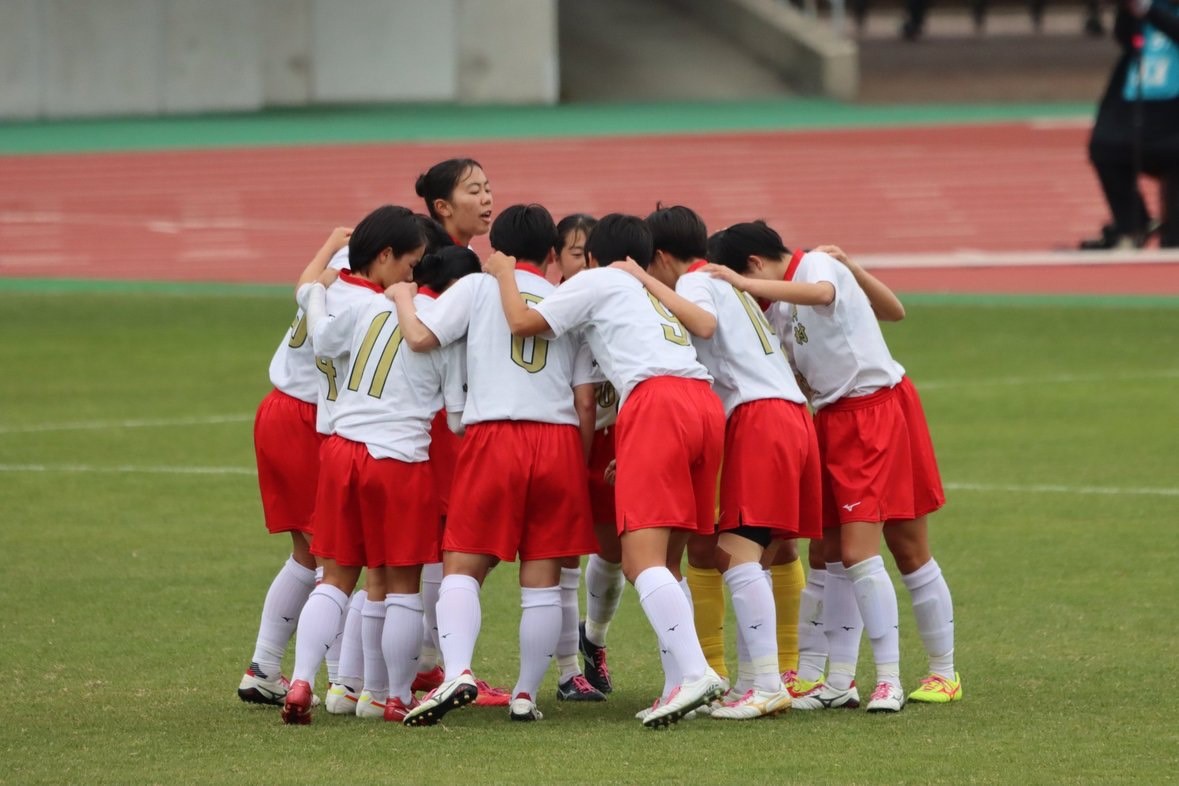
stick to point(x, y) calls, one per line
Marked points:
point(350, 278)
point(792, 268)
point(699, 263)
point(428, 292)
point(528, 267)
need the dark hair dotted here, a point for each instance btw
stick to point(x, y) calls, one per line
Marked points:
point(678, 231)
point(441, 268)
point(440, 180)
point(734, 246)
point(436, 235)
point(618, 236)
point(578, 222)
point(389, 226)
point(525, 232)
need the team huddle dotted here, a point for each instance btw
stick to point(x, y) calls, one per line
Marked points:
point(434, 415)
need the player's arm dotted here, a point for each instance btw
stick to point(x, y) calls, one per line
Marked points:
point(413, 331)
point(797, 292)
point(318, 264)
point(522, 320)
point(885, 304)
point(587, 415)
point(698, 321)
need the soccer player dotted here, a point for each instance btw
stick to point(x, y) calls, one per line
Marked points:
point(770, 480)
point(880, 475)
point(521, 467)
point(382, 250)
point(668, 436)
point(286, 445)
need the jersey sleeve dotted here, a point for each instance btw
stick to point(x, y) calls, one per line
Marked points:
point(332, 336)
point(585, 372)
point(449, 317)
point(698, 288)
point(339, 260)
point(569, 307)
point(452, 363)
point(816, 268)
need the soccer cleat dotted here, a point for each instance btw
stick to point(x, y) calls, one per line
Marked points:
point(577, 688)
point(523, 708)
point(450, 695)
point(645, 711)
point(257, 688)
point(707, 709)
point(396, 709)
point(686, 697)
point(798, 687)
point(597, 673)
point(754, 704)
point(886, 698)
point(936, 689)
point(296, 709)
point(341, 700)
point(426, 681)
point(824, 697)
point(368, 707)
point(491, 697)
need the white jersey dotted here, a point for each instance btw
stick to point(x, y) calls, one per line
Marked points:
point(606, 399)
point(744, 357)
point(346, 293)
point(509, 378)
point(838, 348)
point(390, 395)
point(292, 368)
point(631, 334)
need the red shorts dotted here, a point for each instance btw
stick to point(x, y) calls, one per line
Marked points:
point(522, 489)
point(771, 475)
point(669, 437)
point(286, 445)
point(374, 512)
point(444, 446)
point(878, 461)
point(601, 493)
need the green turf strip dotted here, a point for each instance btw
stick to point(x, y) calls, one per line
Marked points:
point(439, 122)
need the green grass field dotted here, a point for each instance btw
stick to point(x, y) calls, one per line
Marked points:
point(133, 578)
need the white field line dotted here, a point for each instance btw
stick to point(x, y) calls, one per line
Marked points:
point(98, 425)
point(128, 469)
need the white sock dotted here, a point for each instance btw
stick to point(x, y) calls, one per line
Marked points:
point(687, 592)
point(401, 642)
point(351, 668)
point(319, 623)
point(670, 614)
point(459, 619)
point(280, 615)
point(431, 582)
point(376, 674)
point(842, 625)
point(878, 606)
point(540, 630)
point(744, 681)
point(934, 610)
point(812, 644)
point(570, 616)
point(603, 592)
point(753, 605)
point(672, 676)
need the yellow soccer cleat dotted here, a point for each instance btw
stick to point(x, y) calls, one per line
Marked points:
point(936, 689)
point(799, 687)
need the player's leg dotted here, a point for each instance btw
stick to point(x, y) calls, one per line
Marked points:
point(540, 631)
point(344, 692)
point(843, 627)
point(603, 593)
point(787, 579)
point(708, 600)
point(429, 672)
point(401, 637)
point(371, 703)
point(572, 684)
point(812, 643)
point(877, 600)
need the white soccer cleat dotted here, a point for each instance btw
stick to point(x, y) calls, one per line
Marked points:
point(754, 704)
point(259, 688)
point(448, 696)
point(824, 697)
point(886, 698)
point(341, 700)
point(523, 708)
point(368, 707)
point(684, 699)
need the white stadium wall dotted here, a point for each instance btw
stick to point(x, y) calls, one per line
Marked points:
point(73, 58)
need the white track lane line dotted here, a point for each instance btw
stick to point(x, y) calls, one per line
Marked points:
point(98, 425)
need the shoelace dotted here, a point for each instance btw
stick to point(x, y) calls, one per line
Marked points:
point(581, 684)
point(936, 681)
point(748, 695)
point(883, 691)
point(600, 662)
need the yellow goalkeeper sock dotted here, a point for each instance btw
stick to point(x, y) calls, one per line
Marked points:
point(708, 607)
point(788, 581)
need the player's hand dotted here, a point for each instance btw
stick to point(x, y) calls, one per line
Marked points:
point(726, 274)
point(499, 264)
point(328, 277)
point(837, 253)
point(404, 290)
point(338, 239)
point(628, 265)
point(610, 473)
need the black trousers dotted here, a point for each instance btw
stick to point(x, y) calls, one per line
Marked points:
point(1112, 154)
